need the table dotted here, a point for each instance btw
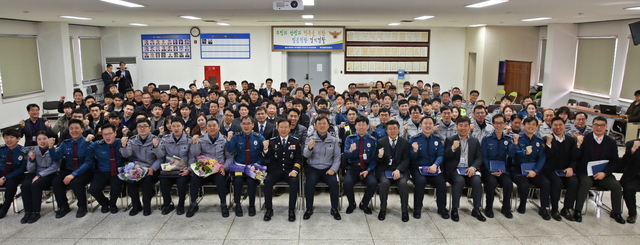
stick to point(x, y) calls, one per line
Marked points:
point(610, 118)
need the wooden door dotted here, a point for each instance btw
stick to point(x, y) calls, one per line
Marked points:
point(517, 78)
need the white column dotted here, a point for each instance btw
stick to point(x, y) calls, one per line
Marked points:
point(559, 67)
point(55, 60)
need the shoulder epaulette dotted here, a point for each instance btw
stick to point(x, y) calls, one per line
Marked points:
point(237, 133)
point(416, 136)
point(373, 138)
point(256, 134)
point(100, 142)
point(296, 138)
point(24, 150)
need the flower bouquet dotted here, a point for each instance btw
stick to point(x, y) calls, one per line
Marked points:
point(175, 164)
point(132, 172)
point(205, 167)
point(255, 171)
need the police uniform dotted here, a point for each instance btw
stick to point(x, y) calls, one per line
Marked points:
point(108, 159)
point(324, 156)
point(13, 163)
point(430, 151)
point(284, 156)
point(248, 149)
point(379, 132)
point(537, 156)
point(412, 130)
point(45, 169)
point(141, 152)
point(359, 160)
point(544, 130)
point(74, 152)
point(494, 149)
point(169, 147)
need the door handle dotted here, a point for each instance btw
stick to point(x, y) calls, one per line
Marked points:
point(306, 76)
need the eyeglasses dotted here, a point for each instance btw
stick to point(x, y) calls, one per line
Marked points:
point(498, 123)
point(599, 125)
point(143, 126)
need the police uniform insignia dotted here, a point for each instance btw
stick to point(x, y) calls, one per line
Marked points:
point(435, 143)
point(19, 158)
point(292, 148)
point(184, 147)
point(255, 142)
point(506, 143)
point(368, 144)
point(537, 144)
point(238, 133)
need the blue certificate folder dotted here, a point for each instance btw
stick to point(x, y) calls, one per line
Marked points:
point(389, 174)
point(463, 171)
point(595, 167)
point(527, 166)
point(561, 173)
point(424, 171)
point(494, 166)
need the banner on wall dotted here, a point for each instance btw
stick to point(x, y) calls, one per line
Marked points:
point(317, 38)
point(166, 47)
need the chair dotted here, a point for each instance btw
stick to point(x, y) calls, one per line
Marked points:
point(538, 95)
point(48, 106)
point(514, 95)
point(584, 103)
point(572, 102)
point(164, 87)
point(284, 184)
point(123, 195)
point(320, 184)
point(491, 108)
point(499, 95)
point(16, 209)
point(93, 90)
point(596, 107)
point(516, 107)
point(214, 186)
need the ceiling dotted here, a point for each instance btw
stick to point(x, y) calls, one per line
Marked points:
point(351, 13)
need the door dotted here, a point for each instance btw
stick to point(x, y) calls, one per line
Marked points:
point(309, 67)
point(471, 73)
point(212, 74)
point(518, 78)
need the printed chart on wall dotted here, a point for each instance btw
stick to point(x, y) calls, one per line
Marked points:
point(320, 38)
point(166, 47)
point(225, 46)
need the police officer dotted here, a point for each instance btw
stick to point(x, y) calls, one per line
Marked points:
point(393, 157)
point(323, 153)
point(13, 163)
point(105, 153)
point(495, 148)
point(284, 155)
point(77, 173)
point(41, 171)
point(211, 145)
point(359, 152)
point(333, 130)
point(139, 149)
point(248, 147)
point(427, 151)
point(378, 130)
point(175, 144)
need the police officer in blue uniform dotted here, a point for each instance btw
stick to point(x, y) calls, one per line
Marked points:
point(495, 148)
point(379, 131)
point(105, 153)
point(360, 152)
point(427, 151)
point(13, 163)
point(248, 147)
point(77, 173)
point(284, 155)
point(175, 144)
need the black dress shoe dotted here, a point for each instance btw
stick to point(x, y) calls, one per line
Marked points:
point(544, 214)
point(382, 214)
point(168, 208)
point(134, 211)
point(366, 208)
point(33, 217)
point(577, 216)
point(556, 215)
point(335, 214)
point(522, 209)
point(454, 215)
point(308, 213)
point(268, 214)
point(252, 211)
point(632, 219)
point(113, 210)
point(64, 211)
point(180, 210)
point(238, 210)
point(566, 214)
point(292, 215)
point(488, 212)
point(617, 217)
point(405, 217)
point(444, 214)
point(351, 208)
point(476, 213)
point(146, 211)
point(192, 210)
point(25, 219)
point(104, 209)
point(225, 210)
point(417, 214)
point(81, 212)
point(507, 213)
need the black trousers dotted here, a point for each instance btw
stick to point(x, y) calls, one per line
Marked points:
point(351, 177)
point(252, 185)
point(99, 182)
point(313, 176)
point(539, 181)
point(383, 191)
point(32, 191)
point(217, 178)
point(609, 182)
point(420, 181)
point(77, 184)
point(629, 191)
point(458, 182)
point(272, 178)
point(11, 187)
point(165, 188)
point(490, 184)
point(147, 185)
point(557, 183)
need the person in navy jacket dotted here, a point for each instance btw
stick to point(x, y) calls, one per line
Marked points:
point(13, 163)
point(360, 152)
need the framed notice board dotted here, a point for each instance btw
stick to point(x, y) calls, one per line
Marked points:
point(166, 47)
point(225, 46)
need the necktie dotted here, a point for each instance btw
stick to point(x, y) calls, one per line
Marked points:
point(322, 138)
point(599, 140)
point(112, 159)
point(361, 153)
point(393, 144)
point(7, 167)
point(247, 152)
point(284, 142)
point(75, 156)
point(261, 129)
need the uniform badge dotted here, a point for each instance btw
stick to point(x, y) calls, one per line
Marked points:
point(184, 147)
point(368, 144)
point(537, 144)
point(292, 147)
point(435, 143)
point(506, 143)
point(255, 142)
point(19, 158)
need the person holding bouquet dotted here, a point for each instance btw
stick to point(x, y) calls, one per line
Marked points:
point(212, 146)
point(105, 153)
point(139, 149)
point(175, 144)
point(248, 147)
point(285, 157)
point(41, 170)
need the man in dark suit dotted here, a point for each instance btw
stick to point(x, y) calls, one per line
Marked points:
point(109, 78)
point(267, 93)
point(124, 78)
point(463, 152)
point(594, 147)
point(630, 180)
point(262, 126)
point(393, 161)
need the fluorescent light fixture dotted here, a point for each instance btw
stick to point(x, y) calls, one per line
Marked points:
point(123, 3)
point(190, 17)
point(75, 17)
point(308, 2)
point(633, 8)
point(426, 17)
point(222, 24)
point(394, 24)
point(486, 3)
point(307, 16)
point(477, 25)
point(137, 24)
point(537, 19)
point(308, 24)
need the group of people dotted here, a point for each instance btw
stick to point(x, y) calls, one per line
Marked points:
point(379, 138)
